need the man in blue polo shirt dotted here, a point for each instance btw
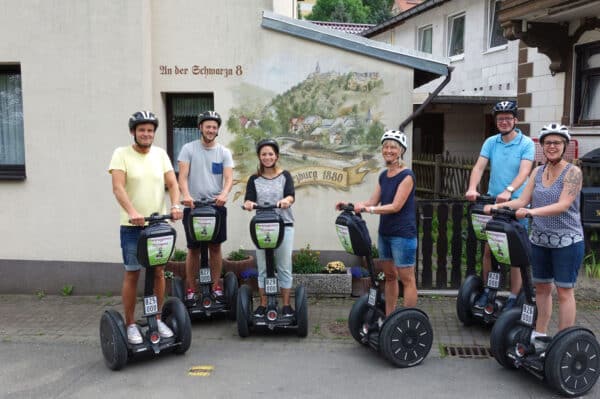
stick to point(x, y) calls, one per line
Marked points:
point(511, 155)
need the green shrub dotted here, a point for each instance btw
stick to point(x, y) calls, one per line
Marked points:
point(238, 254)
point(179, 255)
point(307, 261)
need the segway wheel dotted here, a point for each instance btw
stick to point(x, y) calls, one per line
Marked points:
point(406, 337)
point(112, 340)
point(505, 334)
point(243, 311)
point(301, 311)
point(573, 363)
point(175, 315)
point(177, 288)
point(231, 293)
point(357, 317)
point(468, 291)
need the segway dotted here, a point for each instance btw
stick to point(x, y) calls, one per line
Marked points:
point(472, 288)
point(569, 361)
point(203, 223)
point(267, 231)
point(404, 337)
point(154, 248)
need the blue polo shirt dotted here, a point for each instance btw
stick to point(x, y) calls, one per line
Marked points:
point(505, 160)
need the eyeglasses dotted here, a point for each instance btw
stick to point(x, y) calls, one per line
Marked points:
point(502, 120)
point(554, 143)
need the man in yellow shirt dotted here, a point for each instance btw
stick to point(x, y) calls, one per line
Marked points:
point(139, 175)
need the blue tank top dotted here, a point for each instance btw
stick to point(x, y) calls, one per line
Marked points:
point(554, 231)
point(404, 222)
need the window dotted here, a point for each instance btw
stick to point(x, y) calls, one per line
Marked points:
point(456, 35)
point(495, 37)
point(425, 35)
point(12, 144)
point(182, 118)
point(587, 84)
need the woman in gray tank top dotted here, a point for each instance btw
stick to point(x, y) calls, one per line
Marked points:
point(553, 191)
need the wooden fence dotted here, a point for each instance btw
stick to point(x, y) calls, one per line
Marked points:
point(445, 176)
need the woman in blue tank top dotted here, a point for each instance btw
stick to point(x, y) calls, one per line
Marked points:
point(394, 200)
point(553, 190)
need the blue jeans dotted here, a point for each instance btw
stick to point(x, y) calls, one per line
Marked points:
point(283, 261)
point(558, 265)
point(402, 250)
point(129, 239)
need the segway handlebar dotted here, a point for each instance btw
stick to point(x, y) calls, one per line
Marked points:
point(347, 207)
point(506, 211)
point(155, 217)
point(202, 202)
point(262, 207)
point(485, 199)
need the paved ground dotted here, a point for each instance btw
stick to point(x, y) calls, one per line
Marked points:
point(50, 348)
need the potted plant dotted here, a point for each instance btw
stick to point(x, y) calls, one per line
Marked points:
point(250, 278)
point(237, 261)
point(361, 282)
point(308, 271)
point(176, 265)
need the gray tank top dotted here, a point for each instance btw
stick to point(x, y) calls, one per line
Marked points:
point(554, 231)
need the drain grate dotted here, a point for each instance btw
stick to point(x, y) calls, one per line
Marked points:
point(467, 352)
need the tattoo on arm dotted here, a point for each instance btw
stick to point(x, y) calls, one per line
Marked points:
point(573, 181)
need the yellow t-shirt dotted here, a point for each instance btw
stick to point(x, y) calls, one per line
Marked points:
point(144, 179)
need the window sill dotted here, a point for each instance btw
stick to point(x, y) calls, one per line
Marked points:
point(496, 49)
point(12, 172)
point(456, 58)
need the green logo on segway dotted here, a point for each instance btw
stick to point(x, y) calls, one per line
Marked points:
point(267, 235)
point(204, 227)
point(159, 249)
point(498, 243)
point(479, 222)
point(343, 234)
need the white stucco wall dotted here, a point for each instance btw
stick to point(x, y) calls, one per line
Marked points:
point(87, 65)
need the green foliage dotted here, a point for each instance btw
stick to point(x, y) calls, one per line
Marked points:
point(179, 255)
point(40, 294)
point(169, 275)
point(592, 267)
point(67, 290)
point(306, 261)
point(379, 10)
point(339, 11)
point(238, 254)
point(374, 252)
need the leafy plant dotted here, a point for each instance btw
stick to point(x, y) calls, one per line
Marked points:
point(238, 254)
point(374, 252)
point(169, 275)
point(179, 255)
point(67, 290)
point(592, 267)
point(335, 267)
point(359, 272)
point(306, 261)
point(249, 273)
point(40, 294)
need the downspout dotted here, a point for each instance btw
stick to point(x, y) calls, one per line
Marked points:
point(434, 93)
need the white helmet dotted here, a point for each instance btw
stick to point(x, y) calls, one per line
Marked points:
point(554, 128)
point(397, 136)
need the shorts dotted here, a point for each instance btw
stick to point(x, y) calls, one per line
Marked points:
point(221, 235)
point(558, 265)
point(402, 250)
point(129, 239)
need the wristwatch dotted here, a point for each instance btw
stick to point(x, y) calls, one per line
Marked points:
point(510, 189)
point(176, 207)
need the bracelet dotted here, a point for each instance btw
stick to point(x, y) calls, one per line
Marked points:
point(371, 209)
point(176, 207)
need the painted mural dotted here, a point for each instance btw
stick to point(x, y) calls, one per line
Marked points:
point(327, 127)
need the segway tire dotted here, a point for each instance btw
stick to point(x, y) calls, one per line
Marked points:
point(357, 317)
point(503, 336)
point(177, 288)
point(466, 297)
point(301, 311)
point(406, 337)
point(572, 365)
point(243, 311)
point(112, 341)
point(231, 293)
point(175, 315)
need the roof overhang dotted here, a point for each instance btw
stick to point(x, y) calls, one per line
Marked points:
point(470, 99)
point(426, 67)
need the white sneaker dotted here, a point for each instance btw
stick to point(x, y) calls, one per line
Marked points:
point(163, 329)
point(133, 334)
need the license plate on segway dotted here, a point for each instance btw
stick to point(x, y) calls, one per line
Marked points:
point(493, 280)
point(150, 305)
point(271, 285)
point(372, 296)
point(205, 276)
point(527, 314)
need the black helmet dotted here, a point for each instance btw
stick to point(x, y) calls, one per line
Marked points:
point(505, 107)
point(142, 117)
point(265, 142)
point(209, 116)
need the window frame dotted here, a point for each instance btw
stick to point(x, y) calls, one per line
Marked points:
point(14, 171)
point(420, 31)
point(582, 52)
point(450, 27)
point(490, 23)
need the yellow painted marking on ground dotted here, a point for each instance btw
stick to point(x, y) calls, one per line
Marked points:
point(201, 371)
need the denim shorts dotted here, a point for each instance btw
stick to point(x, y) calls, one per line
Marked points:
point(558, 265)
point(129, 239)
point(402, 250)
point(221, 235)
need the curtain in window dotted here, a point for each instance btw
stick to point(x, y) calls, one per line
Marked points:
point(12, 147)
point(457, 36)
point(495, 30)
point(185, 116)
point(591, 98)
